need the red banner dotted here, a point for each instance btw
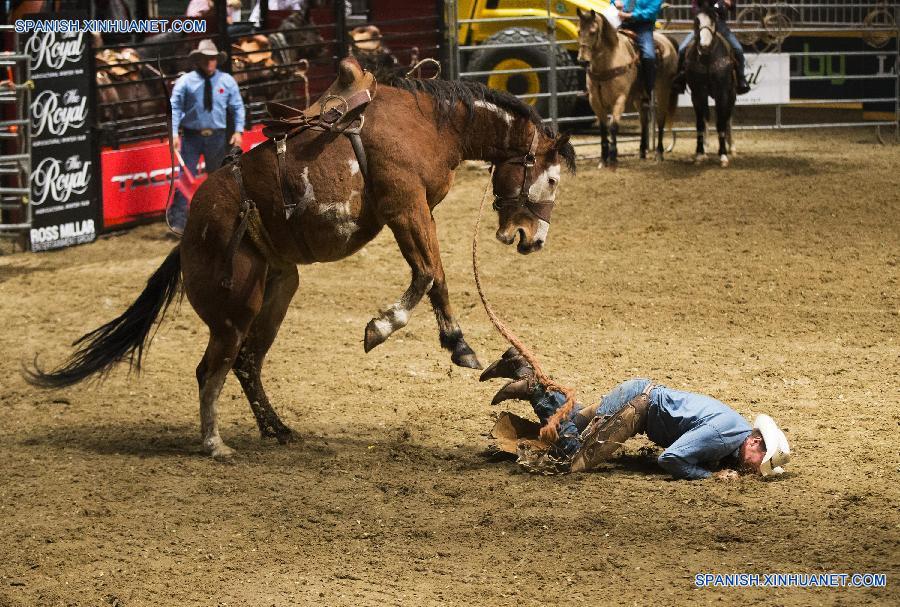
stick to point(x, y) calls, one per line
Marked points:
point(136, 179)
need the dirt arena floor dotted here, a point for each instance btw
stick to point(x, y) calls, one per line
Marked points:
point(772, 285)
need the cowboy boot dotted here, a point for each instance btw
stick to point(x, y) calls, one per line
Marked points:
point(511, 365)
point(743, 86)
point(514, 366)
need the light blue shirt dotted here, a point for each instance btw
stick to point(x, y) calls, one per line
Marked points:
point(695, 429)
point(187, 103)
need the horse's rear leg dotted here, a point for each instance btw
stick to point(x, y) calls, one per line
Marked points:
point(211, 373)
point(644, 113)
point(280, 289)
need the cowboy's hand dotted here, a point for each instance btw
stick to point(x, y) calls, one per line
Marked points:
point(236, 139)
point(624, 16)
point(619, 4)
point(176, 142)
point(726, 475)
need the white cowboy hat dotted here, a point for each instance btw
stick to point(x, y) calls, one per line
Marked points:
point(778, 452)
point(207, 48)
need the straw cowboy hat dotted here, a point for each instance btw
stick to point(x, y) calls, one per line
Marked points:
point(206, 49)
point(778, 452)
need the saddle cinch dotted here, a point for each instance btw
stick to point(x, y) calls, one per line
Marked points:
point(340, 109)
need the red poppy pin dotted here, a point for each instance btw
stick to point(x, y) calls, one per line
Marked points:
point(221, 90)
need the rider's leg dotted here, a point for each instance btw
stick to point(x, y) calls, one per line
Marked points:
point(647, 48)
point(680, 82)
point(742, 85)
point(545, 405)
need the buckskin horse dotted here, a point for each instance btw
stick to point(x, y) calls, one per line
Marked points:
point(416, 133)
point(709, 72)
point(613, 83)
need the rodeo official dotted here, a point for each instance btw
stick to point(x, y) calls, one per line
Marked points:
point(200, 101)
point(699, 433)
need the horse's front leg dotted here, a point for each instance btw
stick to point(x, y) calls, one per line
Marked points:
point(416, 235)
point(701, 111)
point(724, 107)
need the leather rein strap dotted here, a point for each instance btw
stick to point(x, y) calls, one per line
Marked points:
point(541, 209)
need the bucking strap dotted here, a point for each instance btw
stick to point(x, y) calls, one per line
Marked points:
point(250, 223)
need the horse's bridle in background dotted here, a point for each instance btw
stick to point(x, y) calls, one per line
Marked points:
point(541, 209)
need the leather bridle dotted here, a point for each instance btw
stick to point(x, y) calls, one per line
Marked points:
point(542, 209)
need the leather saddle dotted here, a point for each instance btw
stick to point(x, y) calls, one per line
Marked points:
point(339, 109)
point(633, 37)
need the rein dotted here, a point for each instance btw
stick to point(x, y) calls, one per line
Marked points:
point(541, 209)
point(549, 431)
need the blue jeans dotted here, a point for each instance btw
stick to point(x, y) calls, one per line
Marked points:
point(545, 405)
point(722, 28)
point(644, 31)
point(192, 147)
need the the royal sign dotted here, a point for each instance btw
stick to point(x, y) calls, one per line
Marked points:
point(64, 174)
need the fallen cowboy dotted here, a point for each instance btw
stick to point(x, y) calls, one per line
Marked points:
point(699, 433)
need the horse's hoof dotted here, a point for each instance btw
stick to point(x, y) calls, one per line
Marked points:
point(657, 158)
point(464, 356)
point(723, 161)
point(374, 336)
point(285, 436)
point(223, 453)
point(699, 158)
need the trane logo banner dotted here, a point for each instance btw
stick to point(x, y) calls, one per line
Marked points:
point(769, 75)
point(64, 192)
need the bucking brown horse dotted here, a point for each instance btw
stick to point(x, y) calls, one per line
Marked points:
point(416, 133)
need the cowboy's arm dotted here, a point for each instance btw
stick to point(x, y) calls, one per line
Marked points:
point(682, 458)
point(236, 104)
point(177, 101)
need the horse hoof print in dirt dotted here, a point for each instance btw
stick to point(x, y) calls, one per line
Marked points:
point(312, 195)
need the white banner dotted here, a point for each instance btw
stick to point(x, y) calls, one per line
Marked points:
point(769, 75)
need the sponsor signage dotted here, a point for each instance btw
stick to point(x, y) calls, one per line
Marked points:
point(769, 75)
point(64, 175)
point(136, 179)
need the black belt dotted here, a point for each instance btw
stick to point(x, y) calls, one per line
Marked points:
point(203, 132)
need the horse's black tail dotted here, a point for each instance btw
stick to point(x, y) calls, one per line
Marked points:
point(124, 337)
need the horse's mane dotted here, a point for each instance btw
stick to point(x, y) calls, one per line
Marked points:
point(445, 94)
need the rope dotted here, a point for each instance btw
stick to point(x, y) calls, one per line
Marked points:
point(548, 432)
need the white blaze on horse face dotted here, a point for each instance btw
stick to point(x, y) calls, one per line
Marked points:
point(540, 234)
point(354, 166)
point(706, 30)
point(544, 187)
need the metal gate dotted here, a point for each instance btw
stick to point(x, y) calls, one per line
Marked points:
point(843, 61)
point(15, 140)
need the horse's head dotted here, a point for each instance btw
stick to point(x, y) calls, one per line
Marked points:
point(595, 34)
point(525, 186)
point(705, 25)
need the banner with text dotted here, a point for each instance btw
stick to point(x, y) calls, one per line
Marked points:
point(136, 179)
point(63, 172)
point(769, 75)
